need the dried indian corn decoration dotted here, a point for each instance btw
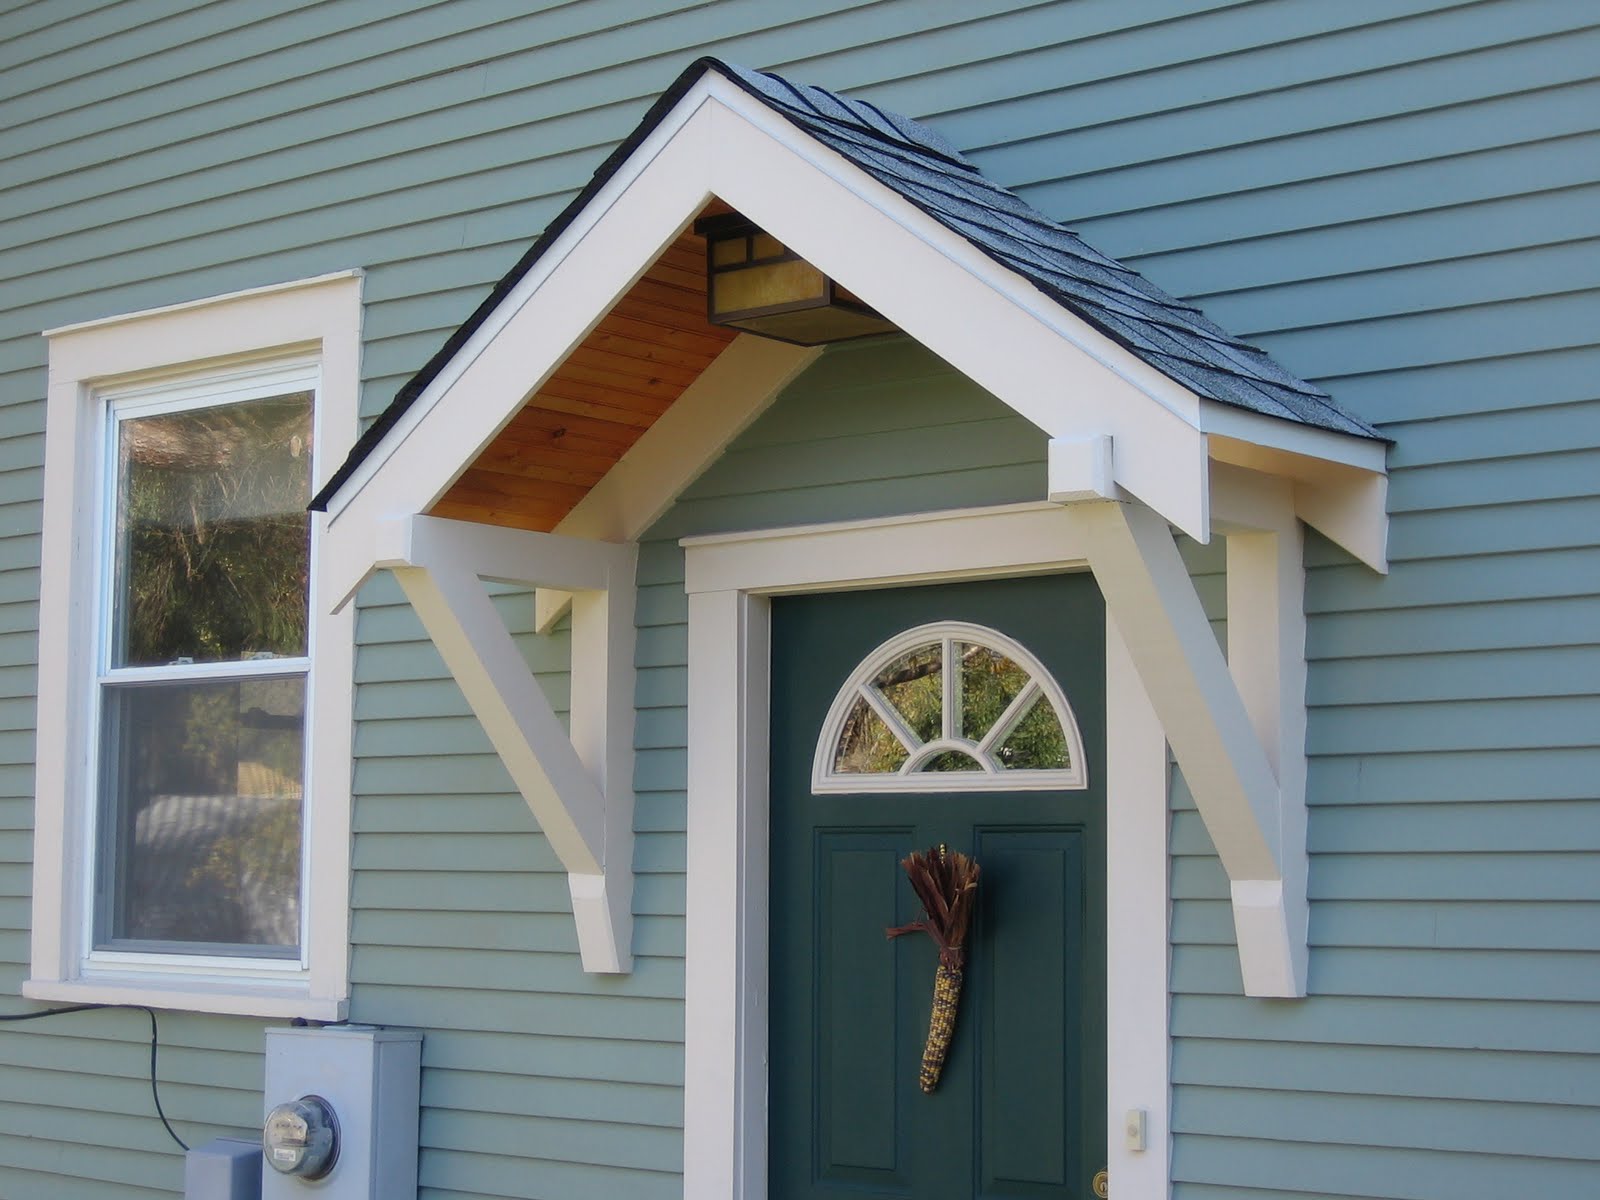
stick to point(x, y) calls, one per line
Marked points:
point(946, 882)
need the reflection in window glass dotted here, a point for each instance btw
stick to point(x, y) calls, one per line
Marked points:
point(865, 745)
point(914, 684)
point(202, 817)
point(989, 683)
point(952, 760)
point(212, 536)
point(1035, 743)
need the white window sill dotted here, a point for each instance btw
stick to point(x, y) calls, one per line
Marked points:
point(189, 995)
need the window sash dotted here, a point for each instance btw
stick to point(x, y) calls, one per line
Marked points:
point(258, 381)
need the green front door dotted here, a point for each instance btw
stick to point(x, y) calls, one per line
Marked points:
point(1020, 1111)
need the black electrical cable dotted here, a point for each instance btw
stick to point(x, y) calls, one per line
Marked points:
point(155, 1041)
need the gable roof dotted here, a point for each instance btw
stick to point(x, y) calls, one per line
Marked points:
point(916, 162)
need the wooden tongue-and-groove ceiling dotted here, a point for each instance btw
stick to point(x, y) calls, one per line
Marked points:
point(653, 344)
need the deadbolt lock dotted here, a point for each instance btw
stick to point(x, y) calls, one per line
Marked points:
point(1101, 1185)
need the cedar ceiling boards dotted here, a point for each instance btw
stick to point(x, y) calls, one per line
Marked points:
point(634, 364)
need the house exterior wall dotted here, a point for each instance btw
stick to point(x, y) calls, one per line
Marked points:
point(1397, 200)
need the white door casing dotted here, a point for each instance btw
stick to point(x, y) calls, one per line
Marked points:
point(729, 579)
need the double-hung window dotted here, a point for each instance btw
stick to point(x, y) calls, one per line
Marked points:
point(192, 826)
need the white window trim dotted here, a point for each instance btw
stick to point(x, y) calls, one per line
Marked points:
point(1041, 687)
point(318, 318)
point(729, 579)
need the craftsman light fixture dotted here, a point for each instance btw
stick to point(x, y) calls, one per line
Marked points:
point(756, 283)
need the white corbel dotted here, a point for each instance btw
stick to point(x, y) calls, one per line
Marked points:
point(579, 786)
point(1236, 727)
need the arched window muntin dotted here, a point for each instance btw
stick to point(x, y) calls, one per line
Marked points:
point(1041, 687)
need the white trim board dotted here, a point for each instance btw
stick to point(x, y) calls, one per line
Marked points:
point(730, 578)
point(202, 338)
point(577, 784)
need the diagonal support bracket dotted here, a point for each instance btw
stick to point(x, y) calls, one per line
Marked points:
point(1236, 727)
point(579, 786)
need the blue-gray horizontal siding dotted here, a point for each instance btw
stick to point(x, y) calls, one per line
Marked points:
point(1449, 1046)
point(1396, 198)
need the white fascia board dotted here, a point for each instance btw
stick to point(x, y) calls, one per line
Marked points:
point(634, 217)
point(1293, 437)
point(986, 321)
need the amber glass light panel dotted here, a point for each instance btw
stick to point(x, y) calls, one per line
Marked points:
point(758, 284)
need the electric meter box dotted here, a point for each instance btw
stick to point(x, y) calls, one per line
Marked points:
point(371, 1080)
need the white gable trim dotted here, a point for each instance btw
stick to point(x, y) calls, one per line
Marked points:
point(729, 580)
point(990, 323)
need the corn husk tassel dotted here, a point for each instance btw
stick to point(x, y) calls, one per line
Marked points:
point(946, 882)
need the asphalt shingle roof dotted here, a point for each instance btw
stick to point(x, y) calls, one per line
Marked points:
point(915, 161)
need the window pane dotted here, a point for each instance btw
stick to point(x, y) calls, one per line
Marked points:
point(201, 837)
point(914, 684)
point(212, 534)
point(989, 683)
point(866, 747)
point(1037, 742)
point(952, 760)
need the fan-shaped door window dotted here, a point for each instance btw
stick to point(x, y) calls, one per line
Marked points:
point(949, 707)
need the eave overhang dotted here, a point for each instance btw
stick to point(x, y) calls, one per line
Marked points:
point(1141, 451)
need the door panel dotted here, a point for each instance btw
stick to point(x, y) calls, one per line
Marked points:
point(1023, 1091)
point(858, 1070)
point(1030, 931)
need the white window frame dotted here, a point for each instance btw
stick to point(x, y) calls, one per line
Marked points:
point(313, 323)
point(1041, 688)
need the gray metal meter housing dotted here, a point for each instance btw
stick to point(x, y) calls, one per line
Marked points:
point(370, 1079)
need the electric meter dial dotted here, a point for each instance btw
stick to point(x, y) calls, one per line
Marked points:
point(301, 1138)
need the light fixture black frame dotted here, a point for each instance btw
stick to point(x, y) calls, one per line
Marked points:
point(723, 227)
